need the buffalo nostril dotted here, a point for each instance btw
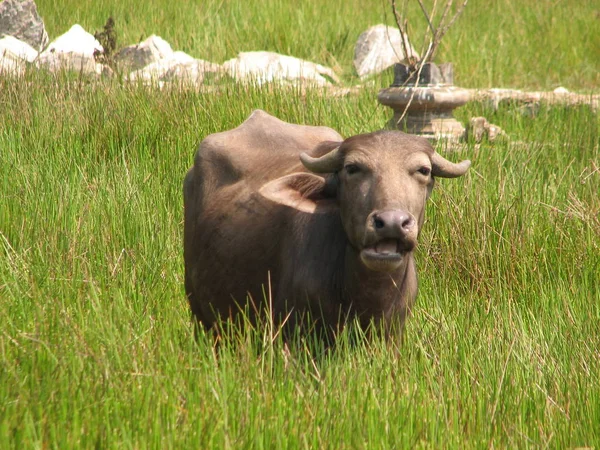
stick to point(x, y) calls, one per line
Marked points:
point(408, 223)
point(393, 223)
point(379, 224)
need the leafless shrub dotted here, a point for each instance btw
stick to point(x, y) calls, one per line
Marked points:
point(436, 31)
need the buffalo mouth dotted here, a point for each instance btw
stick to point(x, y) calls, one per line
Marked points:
point(384, 256)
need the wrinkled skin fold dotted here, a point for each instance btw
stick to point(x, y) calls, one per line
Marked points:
point(331, 222)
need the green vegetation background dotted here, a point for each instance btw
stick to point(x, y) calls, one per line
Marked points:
point(96, 346)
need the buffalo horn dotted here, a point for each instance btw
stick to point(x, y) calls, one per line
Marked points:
point(328, 163)
point(446, 169)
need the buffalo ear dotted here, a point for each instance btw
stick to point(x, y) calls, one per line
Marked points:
point(304, 192)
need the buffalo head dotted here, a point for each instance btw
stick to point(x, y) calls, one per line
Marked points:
point(378, 183)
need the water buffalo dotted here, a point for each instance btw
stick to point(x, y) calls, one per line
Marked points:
point(331, 223)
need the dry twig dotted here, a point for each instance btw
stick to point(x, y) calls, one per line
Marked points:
point(437, 32)
point(443, 28)
point(403, 35)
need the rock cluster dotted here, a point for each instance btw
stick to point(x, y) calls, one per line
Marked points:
point(24, 43)
point(154, 60)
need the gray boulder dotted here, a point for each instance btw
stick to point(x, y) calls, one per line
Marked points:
point(20, 19)
point(72, 51)
point(264, 67)
point(378, 48)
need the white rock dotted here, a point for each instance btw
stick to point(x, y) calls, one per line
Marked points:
point(56, 62)
point(76, 40)
point(73, 50)
point(10, 65)
point(263, 67)
point(149, 51)
point(20, 19)
point(378, 48)
point(14, 56)
point(194, 71)
point(561, 90)
point(158, 69)
point(16, 49)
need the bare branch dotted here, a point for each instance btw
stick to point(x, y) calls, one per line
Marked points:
point(435, 36)
point(445, 13)
point(442, 28)
point(456, 15)
point(403, 33)
point(433, 8)
point(431, 27)
point(397, 17)
point(437, 32)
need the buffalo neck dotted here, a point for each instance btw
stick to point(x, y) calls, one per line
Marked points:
point(378, 296)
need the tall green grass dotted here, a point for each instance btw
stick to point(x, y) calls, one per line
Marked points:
point(97, 348)
point(96, 344)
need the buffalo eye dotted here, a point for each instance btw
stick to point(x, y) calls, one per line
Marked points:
point(351, 169)
point(424, 171)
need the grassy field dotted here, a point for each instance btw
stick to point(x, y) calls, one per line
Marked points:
point(96, 346)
